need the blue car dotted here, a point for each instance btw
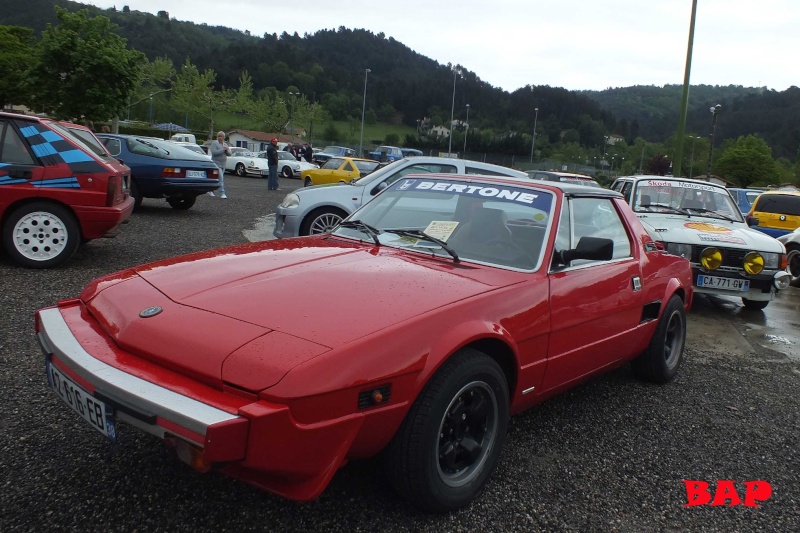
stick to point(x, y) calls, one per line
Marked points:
point(162, 169)
point(744, 198)
point(387, 153)
point(320, 158)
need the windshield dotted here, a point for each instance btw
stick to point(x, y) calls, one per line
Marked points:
point(685, 197)
point(483, 222)
point(281, 155)
point(161, 149)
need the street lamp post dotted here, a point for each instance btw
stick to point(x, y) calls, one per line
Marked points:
point(363, 109)
point(292, 95)
point(691, 164)
point(452, 110)
point(714, 112)
point(466, 131)
point(533, 140)
point(151, 109)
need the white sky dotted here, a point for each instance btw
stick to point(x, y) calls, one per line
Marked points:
point(575, 44)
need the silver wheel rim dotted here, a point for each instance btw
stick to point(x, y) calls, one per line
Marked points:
point(40, 236)
point(467, 434)
point(324, 223)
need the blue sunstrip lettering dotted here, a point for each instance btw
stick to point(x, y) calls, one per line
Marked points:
point(58, 183)
point(75, 156)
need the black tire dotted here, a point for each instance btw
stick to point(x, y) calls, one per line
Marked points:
point(660, 361)
point(321, 220)
point(286, 172)
point(240, 170)
point(307, 182)
point(450, 441)
point(41, 235)
point(793, 251)
point(137, 196)
point(754, 305)
point(181, 203)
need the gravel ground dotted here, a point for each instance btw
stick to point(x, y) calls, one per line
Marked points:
point(607, 456)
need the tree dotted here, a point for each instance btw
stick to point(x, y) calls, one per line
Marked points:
point(268, 109)
point(18, 46)
point(658, 165)
point(748, 161)
point(193, 91)
point(82, 68)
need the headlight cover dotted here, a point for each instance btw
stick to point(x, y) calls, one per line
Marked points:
point(753, 263)
point(772, 261)
point(679, 249)
point(711, 258)
point(291, 200)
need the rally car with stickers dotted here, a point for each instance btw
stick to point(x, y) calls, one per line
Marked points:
point(700, 221)
point(56, 191)
point(412, 330)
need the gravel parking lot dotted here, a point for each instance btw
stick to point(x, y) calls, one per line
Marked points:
point(608, 456)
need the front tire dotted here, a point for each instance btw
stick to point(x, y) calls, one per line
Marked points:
point(240, 170)
point(754, 305)
point(286, 172)
point(41, 235)
point(793, 251)
point(449, 443)
point(307, 182)
point(660, 361)
point(181, 203)
point(322, 220)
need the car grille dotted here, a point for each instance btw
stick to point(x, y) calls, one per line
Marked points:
point(731, 257)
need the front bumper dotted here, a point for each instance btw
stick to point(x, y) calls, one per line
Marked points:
point(762, 287)
point(287, 223)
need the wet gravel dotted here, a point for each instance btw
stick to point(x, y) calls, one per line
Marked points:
point(607, 456)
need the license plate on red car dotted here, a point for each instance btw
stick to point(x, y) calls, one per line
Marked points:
point(96, 413)
point(716, 282)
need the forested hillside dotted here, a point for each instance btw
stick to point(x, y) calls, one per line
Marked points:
point(404, 86)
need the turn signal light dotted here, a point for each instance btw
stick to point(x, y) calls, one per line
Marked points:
point(191, 455)
point(753, 263)
point(711, 258)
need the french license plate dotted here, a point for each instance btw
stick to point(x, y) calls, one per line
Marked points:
point(716, 282)
point(96, 413)
point(195, 173)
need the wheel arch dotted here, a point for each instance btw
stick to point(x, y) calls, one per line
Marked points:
point(37, 199)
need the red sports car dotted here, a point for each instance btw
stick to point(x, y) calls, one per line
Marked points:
point(415, 329)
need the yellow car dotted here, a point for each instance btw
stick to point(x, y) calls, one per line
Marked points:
point(337, 169)
point(776, 212)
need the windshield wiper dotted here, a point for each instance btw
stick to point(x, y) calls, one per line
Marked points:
point(665, 206)
point(710, 212)
point(422, 235)
point(364, 227)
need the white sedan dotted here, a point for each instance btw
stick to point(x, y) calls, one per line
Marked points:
point(288, 166)
point(242, 162)
point(792, 243)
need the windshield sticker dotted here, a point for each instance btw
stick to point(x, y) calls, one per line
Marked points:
point(680, 184)
point(500, 192)
point(441, 229)
point(720, 238)
point(707, 227)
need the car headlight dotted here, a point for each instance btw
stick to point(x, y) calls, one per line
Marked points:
point(679, 249)
point(291, 200)
point(772, 261)
point(753, 263)
point(711, 258)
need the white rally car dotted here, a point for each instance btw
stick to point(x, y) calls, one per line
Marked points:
point(700, 221)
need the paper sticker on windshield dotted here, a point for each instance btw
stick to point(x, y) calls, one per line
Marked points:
point(441, 229)
point(707, 227)
point(678, 184)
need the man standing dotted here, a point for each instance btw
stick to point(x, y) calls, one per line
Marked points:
point(219, 155)
point(308, 153)
point(272, 165)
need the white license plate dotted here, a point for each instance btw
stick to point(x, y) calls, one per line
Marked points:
point(195, 173)
point(716, 282)
point(95, 412)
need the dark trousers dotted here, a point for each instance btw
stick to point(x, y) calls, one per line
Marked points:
point(272, 182)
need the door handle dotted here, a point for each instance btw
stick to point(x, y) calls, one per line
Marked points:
point(24, 174)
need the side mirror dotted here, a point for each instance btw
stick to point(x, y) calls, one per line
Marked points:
point(593, 248)
point(752, 221)
point(378, 188)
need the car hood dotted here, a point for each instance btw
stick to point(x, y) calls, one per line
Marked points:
point(708, 231)
point(248, 314)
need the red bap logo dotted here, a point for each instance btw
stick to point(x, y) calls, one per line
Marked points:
point(700, 493)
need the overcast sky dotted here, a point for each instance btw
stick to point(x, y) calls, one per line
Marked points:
point(576, 44)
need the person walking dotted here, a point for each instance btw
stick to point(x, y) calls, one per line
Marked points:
point(272, 165)
point(219, 155)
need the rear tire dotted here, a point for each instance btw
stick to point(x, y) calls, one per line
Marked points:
point(137, 196)
point(286, 172)
point(660, 361)
point(793, 250)
point(181, 203)
point(450, 441)
point(41, 235)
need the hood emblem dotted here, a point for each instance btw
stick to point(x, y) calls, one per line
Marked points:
point(150, 311)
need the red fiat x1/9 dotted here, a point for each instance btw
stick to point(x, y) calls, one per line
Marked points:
point(413, 329)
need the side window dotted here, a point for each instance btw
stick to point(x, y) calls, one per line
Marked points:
point(348, 167)
point(114, 146)
point(485, 172)
point(12, 148)
point(598, 217)
point(420, 169)
point(626, 191)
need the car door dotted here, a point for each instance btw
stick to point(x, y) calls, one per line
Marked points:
point(19, 168)
point(595, 305)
